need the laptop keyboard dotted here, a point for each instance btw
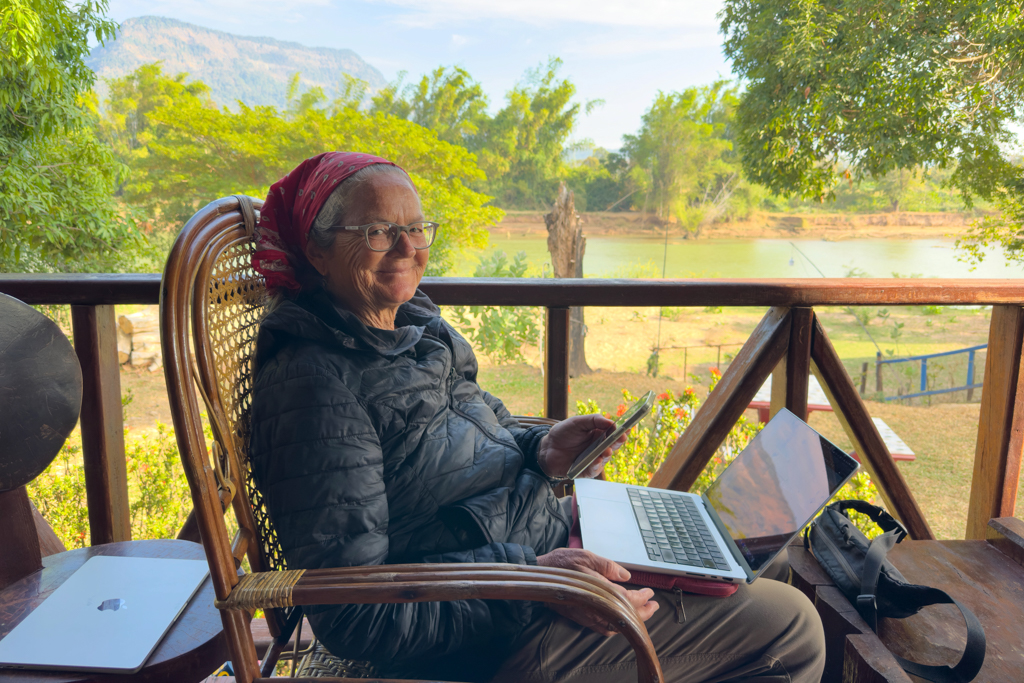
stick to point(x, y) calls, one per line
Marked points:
point(674, 530)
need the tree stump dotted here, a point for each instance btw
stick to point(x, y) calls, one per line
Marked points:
point(566, 245)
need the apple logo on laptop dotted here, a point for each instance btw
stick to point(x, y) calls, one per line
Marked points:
point(113, 605)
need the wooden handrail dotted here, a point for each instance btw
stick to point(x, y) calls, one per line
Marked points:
point(997, 462)
point(144, 288)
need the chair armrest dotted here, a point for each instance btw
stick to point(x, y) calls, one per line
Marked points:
point(445, 582)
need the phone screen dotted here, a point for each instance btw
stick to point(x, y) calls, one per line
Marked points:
point(623, 424)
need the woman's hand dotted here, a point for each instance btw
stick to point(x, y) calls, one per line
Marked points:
point(561, 446)
point(606, 570)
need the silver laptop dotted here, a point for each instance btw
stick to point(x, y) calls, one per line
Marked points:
point(756, 507)
point(108, 616)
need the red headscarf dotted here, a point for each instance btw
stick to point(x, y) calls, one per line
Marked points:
point(290, 209)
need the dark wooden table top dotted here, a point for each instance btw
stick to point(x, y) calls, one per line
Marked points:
point(193, 648)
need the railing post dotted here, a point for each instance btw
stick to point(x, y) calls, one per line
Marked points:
point(970, 376)
point(556, 363)
point(106, 479)
point(924, 374)
point(1001, 424)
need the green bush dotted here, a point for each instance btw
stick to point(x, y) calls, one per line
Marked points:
point(499, 332)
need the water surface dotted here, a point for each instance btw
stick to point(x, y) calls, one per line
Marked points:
point(757, 258)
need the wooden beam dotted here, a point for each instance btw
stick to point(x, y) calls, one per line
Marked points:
point(762, 351)
point(864, 436)
point(144, 288)
point(1001, 426)
point(556, 363)
point(106, 479)
point(798, 360)
point(790, 377)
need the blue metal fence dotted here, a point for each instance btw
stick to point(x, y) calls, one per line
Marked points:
point(969, 386)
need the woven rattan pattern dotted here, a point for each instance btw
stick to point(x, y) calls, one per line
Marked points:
point(235, 302)
point(262, 590)
point(322, 664)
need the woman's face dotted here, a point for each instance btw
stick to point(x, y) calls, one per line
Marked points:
point(371, 282)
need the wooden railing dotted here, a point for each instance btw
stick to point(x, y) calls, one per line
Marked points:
point(789, 341)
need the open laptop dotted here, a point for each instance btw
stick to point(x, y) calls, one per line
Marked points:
point(108, 616)
point(774, 487)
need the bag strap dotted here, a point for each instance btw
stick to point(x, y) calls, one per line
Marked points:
point(878, 515)
point(867, 604)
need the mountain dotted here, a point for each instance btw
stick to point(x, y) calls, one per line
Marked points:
point(253, 70)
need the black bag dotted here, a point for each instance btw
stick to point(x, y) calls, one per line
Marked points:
point(859, 569)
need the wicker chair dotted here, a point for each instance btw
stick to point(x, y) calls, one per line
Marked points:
point(212, 301)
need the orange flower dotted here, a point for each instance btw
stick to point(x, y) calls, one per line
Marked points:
point(715, 372)
point(680, 413)
point(689, 391)
point(621, 410)
point(665, 396)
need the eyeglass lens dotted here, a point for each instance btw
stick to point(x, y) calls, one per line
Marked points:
point(382, 236)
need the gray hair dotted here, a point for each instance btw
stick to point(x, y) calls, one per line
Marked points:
point(332, 214)
point(337, 205)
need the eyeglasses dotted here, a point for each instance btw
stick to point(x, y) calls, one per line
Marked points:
point(384, 236)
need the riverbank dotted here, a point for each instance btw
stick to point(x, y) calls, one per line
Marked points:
point(824, 226)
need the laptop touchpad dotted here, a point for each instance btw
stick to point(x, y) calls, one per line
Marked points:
point(609, 521)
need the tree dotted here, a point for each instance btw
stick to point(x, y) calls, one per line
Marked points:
point(521, 148)
point(684, 155)
point(447, 101)
point(197, 152)
point(873, 87)
point(57, 210)
point(566, 244)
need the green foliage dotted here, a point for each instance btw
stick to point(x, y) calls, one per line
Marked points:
point(521, 148)
point(683, 158)
point(59, 493)
point(849, 91)
point(158, 489)
point(447, 101)
point(57, 211)
point(191, 152)
point(499, 331)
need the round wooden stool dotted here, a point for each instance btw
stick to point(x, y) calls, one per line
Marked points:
point(193, 648)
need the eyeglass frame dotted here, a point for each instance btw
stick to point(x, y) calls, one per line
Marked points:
point(401, 229)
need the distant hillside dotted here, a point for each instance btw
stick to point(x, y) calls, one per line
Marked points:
point(253, 70)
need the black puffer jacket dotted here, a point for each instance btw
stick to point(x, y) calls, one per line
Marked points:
point(377, 446)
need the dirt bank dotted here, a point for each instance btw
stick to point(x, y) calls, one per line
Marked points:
point(834, 227)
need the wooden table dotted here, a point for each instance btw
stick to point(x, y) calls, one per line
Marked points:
point(193, 648)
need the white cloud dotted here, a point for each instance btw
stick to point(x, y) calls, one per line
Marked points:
point(648, 13)
point(613, 46)
point(459, 41)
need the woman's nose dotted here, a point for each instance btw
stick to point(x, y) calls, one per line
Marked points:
point(403, 247)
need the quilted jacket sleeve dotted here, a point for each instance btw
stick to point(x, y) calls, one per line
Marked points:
point(318, 462)
point(527, 438)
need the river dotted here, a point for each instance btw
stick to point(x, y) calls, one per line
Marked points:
point(757, 258)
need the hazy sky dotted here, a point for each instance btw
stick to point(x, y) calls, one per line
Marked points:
point(621, 51)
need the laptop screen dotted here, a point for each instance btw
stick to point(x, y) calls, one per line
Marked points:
point(776, 485)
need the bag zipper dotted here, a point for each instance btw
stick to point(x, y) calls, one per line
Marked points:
point(839, 556)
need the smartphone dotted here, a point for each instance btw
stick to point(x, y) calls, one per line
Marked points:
point(622, 425)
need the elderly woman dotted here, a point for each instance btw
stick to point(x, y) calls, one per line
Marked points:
point(372, 443)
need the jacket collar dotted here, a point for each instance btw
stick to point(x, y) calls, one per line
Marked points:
point(315, 317)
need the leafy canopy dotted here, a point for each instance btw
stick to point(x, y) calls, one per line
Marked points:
point(192, 151)
point(57, 210)
point(876, 85)
point(682, 157)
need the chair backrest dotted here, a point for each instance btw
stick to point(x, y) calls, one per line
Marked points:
point(212, 302)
